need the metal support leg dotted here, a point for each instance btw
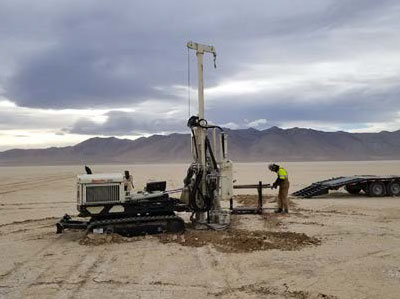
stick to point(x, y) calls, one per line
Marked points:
point(260, 203)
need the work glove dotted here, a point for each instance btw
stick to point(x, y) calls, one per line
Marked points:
point(274, 185)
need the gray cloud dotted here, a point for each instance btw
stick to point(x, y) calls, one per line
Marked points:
point(64, 77)
point(353, 107)
point(347, 109)
point(105, 54)
point(92, 54)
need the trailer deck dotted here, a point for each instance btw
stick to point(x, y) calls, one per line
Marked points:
point(370, 185)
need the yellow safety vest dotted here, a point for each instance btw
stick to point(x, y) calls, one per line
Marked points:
point(282, 173)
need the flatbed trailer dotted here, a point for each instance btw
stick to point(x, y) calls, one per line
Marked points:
point(369, 185)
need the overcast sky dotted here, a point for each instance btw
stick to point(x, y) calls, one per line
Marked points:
point(75, 69)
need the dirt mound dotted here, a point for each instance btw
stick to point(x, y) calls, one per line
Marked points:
point(100, 239)
point(250, 200)
point(270, 291)
point(237, 241)
point(229, 241)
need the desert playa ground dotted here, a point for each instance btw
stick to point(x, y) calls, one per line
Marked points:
point(336, 246)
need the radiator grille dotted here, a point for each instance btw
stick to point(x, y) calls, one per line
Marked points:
point(101, 194)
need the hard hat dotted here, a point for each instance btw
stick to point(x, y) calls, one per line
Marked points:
point(271, 167)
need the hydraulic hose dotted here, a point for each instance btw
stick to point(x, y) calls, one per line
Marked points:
point(195, 190)
point(195, 143)
point(208, 146)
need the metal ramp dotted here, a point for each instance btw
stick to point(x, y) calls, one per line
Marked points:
point(323, 187)
point(312, 190)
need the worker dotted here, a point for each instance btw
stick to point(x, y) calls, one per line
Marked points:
point(283, 182)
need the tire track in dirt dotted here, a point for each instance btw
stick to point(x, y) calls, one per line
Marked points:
point(28, 221)
point(23, 271)
point(98, 260)
point(34, 180)
point(208, 261)
point(229, 269)
point(35, 277)
point(338, 265)
point(62, 282)
point(34, 208)
point(26, 226)
point(150, 282)
point(31, 185)
point(23, 230)
point(33, 203)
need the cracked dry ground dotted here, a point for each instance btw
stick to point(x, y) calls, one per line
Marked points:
point(356, 255)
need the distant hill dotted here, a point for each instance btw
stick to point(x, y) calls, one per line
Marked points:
point(247, 145)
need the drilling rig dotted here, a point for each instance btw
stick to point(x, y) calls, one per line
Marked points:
point(113, 207)
point(208, 181)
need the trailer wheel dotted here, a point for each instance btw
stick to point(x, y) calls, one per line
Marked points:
point(353, 189)
point(393, 188)
point(377, 189)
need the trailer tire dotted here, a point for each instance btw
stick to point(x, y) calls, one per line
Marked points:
point(377, 189)
point(353, 189)
point(393, 188)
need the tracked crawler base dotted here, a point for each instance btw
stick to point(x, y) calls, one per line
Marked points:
point(113, 209)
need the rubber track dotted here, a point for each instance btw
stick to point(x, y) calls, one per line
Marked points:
point(128, 220)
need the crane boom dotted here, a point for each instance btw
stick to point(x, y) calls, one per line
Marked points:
point(201, 47)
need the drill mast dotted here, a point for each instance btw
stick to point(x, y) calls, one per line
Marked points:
point(208, 181)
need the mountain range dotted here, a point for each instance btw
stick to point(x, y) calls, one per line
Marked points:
point(246, 145)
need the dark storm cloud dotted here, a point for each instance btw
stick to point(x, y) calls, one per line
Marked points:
point(110, 54)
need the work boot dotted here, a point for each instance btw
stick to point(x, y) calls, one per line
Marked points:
point(285, 212)
point(278, 211)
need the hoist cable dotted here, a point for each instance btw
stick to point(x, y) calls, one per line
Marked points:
point(188, 79)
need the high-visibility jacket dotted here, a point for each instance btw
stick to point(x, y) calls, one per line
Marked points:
point(282, 177)
point(282, 173)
